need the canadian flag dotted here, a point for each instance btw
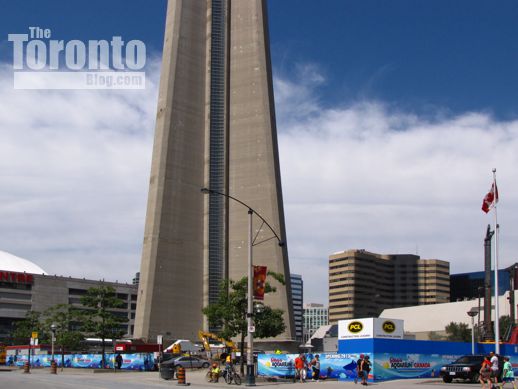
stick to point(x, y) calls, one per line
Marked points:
point(491, 198)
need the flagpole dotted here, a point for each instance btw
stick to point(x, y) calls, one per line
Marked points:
point(497, 306)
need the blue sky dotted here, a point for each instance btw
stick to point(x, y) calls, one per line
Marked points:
point(400, 109)
point(418, 56)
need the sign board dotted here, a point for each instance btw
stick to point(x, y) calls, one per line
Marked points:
point(355, 329)
point(388, 328)
point(34, 335)
point(370, 328)
point(159, 339)
point(332, 365)
point(251, 329)
point(14, 277)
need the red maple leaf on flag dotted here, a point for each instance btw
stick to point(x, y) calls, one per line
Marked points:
point(491, 198)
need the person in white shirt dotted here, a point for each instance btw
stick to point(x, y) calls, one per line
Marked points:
point(494, 368)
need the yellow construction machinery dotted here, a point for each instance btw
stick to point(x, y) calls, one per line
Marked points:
point(205, 336)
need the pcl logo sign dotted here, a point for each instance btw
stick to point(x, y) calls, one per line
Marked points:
point(355, 327)
point(388, 326)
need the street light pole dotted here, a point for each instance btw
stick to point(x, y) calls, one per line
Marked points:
point(53, 330)
point(250, 374)
point(250, 367)
point(472, 313)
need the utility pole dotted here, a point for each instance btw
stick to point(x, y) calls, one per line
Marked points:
point(488, 328)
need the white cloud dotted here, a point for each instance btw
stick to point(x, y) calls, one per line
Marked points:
point(74, 168)
point(363, 176)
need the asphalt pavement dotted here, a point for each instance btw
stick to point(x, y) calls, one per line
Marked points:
point(89, 379)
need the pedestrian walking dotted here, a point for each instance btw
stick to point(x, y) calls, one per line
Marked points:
point(315, 363)
point(366, 368)
point(118, 361)
point(508, 373)
point(306, 368)
point(494, 369)
point(485, 373)
point(359, 372)
point(299, 366)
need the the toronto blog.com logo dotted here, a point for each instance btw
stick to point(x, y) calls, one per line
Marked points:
point(41, 62)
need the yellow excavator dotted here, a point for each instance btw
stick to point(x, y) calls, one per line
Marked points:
point(205, 336)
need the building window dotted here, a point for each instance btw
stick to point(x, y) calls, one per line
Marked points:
point(77, 292)
point(15, 296)
point(24, 307)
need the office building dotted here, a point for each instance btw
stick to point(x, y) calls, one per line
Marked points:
point(297, 298)
point(24, 287)
point(215, 128)
point(469, 286)
point(315, 316)
point(363, 284)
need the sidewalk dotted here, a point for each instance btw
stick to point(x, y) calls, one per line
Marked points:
point(86, 379)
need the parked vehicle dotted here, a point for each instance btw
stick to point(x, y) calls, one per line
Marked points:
point(466, 367)
point(191, 362)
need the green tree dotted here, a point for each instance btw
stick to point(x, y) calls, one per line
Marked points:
point(23, 329)
point(100, 318)
point(229, 312)
point(268, 322)
point(66, 320)
point(458, 332)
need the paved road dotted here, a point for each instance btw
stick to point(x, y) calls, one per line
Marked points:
point(87, 379)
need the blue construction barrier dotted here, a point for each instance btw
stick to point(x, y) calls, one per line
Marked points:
point(396, 359)
point(332, 365)
point(390, 358)
point(140, 361)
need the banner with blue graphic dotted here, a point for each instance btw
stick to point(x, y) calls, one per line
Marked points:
point(141, 362)
point(332, 365)
point(388, 366)
point(339, 366)
point(276, 365)
point(385, 366)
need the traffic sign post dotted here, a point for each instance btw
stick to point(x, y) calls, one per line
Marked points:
point(159, 340)
point(33, 341)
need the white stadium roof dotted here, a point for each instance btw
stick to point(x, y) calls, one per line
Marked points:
point(10, 262)
point(434, 317)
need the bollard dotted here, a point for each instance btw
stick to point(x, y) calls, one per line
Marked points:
point(53, 367)
point(180, 374)
point(26, 368)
